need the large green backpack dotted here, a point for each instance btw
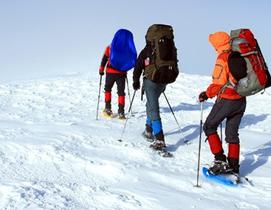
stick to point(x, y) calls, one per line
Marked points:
point(162, 63)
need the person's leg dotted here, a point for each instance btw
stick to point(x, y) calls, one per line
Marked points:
point(109, 82)
point(121, 93)
point(232, 135)
point(148, 129)
point(215, 117)
point(153, 92)
point(233, 157)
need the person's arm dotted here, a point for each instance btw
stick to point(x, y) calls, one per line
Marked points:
point(139, 67)
point(104, 60)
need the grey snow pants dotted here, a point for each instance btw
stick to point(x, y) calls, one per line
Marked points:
point(232, 111)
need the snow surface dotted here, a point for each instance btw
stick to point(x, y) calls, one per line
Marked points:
point(54, 154)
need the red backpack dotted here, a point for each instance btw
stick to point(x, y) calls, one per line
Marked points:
point(256, 76)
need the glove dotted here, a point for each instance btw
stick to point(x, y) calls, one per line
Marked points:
point(203, 96)
point(101, 73)
point(136, 85)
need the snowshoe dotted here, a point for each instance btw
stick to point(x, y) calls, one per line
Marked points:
point(224, 179)
point(160, 148)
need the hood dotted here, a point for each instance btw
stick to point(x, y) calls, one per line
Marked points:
point(220, 41)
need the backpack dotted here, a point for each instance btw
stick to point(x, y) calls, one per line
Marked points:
point(162, 59)
point(247, 64)
point(123, 52)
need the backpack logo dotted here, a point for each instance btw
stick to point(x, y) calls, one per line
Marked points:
point(123, 52)
point(247, 64)
point(162, 64)
point(147, 61)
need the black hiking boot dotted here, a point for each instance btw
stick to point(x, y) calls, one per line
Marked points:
point(108, 112)
point(158, 145)
point(220, 167)
point(148, 133)
point(159, 142)
point(122, 116)
point(234, 165)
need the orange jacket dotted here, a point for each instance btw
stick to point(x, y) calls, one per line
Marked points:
point(105, 64)
point(221, 73)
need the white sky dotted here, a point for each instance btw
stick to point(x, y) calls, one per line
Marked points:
point(40, 38)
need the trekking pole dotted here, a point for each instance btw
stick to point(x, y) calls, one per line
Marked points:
point(200, 131)
point(221, 134)
point(128, 91)
point(172, 111)
point(99, 94)
point(142, 92)
point(130, 108)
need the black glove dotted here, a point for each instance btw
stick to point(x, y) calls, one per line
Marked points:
point(136, 85)
point(101, 73)
point(203, 96)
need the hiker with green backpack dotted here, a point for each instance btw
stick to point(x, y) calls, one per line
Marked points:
point(158, 62)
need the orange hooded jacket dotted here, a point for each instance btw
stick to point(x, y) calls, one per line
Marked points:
point(221, 73)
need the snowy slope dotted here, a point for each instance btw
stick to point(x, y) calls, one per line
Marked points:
point(54, 154)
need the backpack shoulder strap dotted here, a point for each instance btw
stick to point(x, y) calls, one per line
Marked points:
point(224, 55)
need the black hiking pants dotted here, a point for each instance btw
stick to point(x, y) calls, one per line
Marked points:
point(232, 111)
point(119, 79)
point(110, 79)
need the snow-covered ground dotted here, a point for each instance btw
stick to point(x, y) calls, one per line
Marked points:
point(54, 154)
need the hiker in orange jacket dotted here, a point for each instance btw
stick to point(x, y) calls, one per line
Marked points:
point(229, 105)
point(112, 76)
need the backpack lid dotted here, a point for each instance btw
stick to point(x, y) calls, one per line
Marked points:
point(156, 31)
point(242, 38)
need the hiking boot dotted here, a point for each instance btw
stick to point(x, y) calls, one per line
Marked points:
point(234, 165)
point(158, 145)
point(220, 167)
point(148, 133)
point(220, 156)
point(108, 112)
point(108, 105)
point(233, 156)
point(159, 141)
point(122, 116)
